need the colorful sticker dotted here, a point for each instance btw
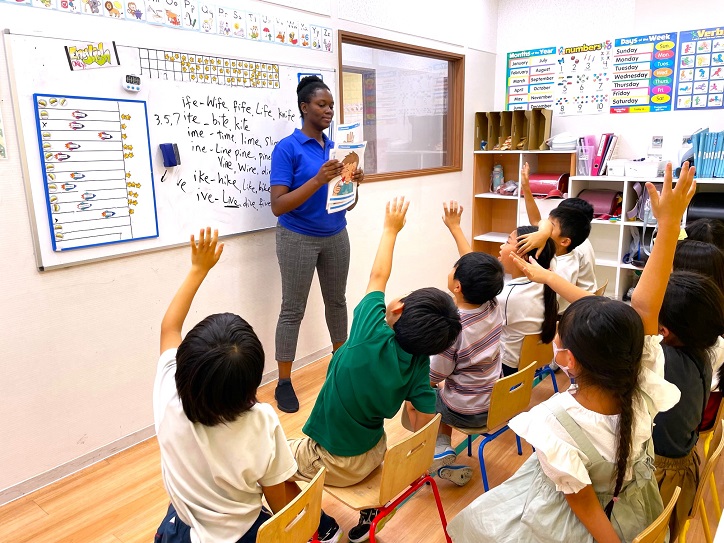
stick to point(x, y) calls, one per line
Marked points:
point(87, 56)
point(304, 35)
point(700, 83)
point(208, 21)
point(253, 30)
point(643, 73)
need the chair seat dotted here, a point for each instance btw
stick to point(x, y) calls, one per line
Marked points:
point(473, 431)
point(363, 495)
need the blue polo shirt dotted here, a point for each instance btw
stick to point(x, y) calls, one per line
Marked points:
point(294, 161)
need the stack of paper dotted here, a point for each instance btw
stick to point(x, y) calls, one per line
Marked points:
point(708, 148)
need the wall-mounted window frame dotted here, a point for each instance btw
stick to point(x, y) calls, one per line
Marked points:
point(452, 137)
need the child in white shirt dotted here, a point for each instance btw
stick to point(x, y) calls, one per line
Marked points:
point(206, 416)
point(591, 477)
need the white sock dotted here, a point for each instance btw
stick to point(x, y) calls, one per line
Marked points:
point(443, 442)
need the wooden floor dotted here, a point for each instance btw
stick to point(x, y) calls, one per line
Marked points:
point(122, 499)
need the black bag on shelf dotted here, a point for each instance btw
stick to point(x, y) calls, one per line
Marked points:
point(709, 205)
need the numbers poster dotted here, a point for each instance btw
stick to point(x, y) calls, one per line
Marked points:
point(643, 73)
point(531, 77)
point(700, 83)
point(582, 80)
point(96, 159)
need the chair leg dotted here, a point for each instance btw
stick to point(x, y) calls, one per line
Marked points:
point(682, 533)
point(715, 496)
point(520, 448)
point(470, 445)
point(553, 379)
point(486, 438)
point(707, 442)
point(315, 538)
point(414, 487)
point(705, 522)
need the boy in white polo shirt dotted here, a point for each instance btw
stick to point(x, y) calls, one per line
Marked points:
point(569, 226)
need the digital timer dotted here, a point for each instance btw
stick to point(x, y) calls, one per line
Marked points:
point(131, 83)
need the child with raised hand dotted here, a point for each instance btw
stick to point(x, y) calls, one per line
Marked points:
point(385, 361)
point(569, 226)
point(470, 366)
point(206, 414)
point(591, 477)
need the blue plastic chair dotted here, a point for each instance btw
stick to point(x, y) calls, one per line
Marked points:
point(510, 397)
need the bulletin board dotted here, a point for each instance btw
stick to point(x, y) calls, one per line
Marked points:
point(225, 113)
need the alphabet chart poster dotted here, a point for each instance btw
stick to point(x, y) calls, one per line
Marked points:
point(531, 78)
point(700, 84)
point(643, 73)
point(583, 79)
point(96, 159)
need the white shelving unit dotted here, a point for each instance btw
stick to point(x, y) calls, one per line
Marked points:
point(611, 239)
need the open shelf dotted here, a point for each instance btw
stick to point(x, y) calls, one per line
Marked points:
point(494, 237)
point(495, 196)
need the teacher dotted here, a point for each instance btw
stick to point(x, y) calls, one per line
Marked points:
point(307, 236)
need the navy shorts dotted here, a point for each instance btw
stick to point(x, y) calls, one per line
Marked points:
point(458, 420)
point(174, 530)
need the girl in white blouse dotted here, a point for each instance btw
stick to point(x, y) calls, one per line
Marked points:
point(592, 477)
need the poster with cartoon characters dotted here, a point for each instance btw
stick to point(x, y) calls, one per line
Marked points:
point(135, 10)
point(643, 73)
point(69, 6)
point(700, 82)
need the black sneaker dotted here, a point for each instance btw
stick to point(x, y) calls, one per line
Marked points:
point(329, 530)
point(286, 397)
point(361, 532)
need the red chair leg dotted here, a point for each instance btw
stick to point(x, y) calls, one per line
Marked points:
point(315, 538)
point(389, 508)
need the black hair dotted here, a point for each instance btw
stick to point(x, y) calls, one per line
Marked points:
point(574, 224)
point(606, 337)
point(700, 257)
point(306, 88)
point(550, 298)
point(481, 277)
point(579, 204)
point(693, 310)
point(708, 231)
point(429, 322)
point(219, 366)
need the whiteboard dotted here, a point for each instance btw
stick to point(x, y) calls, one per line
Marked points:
point(225, 113)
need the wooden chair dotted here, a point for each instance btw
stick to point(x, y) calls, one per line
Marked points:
point(542, 353)
point(403, 472)
point(510, 397)
point(657, 530)
point(600, 291)
point(706, 437)
point(299, 520)
point(705, 473)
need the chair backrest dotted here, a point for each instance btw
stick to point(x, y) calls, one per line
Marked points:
point(510, 396)
point(533, 350)
point(298, 521)
point(408, 460)
point(709, 464)
point(657, 530)
point(600, 291)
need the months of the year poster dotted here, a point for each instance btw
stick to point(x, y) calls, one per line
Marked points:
point(583, 79)
point(531, 77)
point(96, 159)
point(700, 84)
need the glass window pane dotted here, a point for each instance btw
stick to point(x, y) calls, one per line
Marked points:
point(402, 101)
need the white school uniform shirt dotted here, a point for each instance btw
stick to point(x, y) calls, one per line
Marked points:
point(213, 473)
point(717, 360)
point(523, 313)
point(586, 262)
point(559, 456)
point(567, 266)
